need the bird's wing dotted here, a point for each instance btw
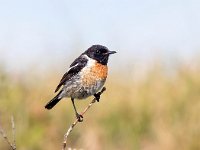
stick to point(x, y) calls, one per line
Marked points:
point(74, 69)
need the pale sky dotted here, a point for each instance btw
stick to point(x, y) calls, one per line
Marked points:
point(48, 32)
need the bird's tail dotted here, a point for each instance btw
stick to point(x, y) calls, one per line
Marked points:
point(54, 101)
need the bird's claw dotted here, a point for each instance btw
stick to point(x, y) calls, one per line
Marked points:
point(97, 96)
point(79, 117)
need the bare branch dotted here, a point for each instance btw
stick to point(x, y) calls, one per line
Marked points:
point(13, 132)
point(76, 121)
point(3, 133)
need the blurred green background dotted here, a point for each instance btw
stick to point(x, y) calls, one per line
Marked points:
point(155, 112)
point(152, 100)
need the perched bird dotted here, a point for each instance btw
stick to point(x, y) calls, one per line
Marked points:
point(85, 77)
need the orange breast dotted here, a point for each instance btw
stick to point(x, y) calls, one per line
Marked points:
point(94, 73)
point(99, 71)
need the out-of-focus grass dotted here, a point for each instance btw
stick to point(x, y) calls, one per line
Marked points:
point(156, 112)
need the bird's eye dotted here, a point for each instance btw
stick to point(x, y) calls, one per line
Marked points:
point(97, 51)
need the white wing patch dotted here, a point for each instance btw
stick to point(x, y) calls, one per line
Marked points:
point(72, 67)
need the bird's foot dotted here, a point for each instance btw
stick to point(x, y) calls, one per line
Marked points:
point(79, 117)
point(97, 96)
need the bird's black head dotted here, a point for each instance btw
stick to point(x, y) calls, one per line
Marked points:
point(99, 53)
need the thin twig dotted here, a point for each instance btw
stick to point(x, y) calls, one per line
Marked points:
point(76, 121)
point(3, 133)
point(5, 136)
point(13, 132)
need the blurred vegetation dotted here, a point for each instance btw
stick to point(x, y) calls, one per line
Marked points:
point(158, 111)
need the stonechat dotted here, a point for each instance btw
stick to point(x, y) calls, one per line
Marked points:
point(85, 77)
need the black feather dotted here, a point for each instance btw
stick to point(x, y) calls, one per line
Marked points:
point(76, 67)
point(53, 102)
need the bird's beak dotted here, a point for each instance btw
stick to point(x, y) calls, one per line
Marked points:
point(111, 52)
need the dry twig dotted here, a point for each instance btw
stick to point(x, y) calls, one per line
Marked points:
point(76, 121)
point(2, 132)
point(13, 132)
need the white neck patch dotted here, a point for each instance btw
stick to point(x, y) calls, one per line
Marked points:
point(90, 61)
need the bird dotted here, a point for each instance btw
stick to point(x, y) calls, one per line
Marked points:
point(85, 77)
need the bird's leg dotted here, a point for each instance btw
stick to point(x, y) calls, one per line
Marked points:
point(78, 116)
